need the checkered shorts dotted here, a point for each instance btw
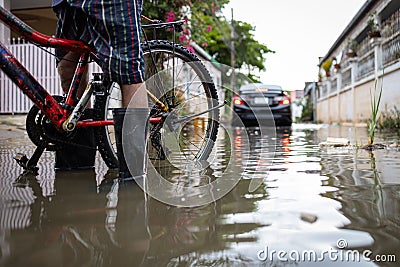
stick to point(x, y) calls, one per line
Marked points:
point(112, 27)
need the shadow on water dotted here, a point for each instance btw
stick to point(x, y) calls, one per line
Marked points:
point(310, 198)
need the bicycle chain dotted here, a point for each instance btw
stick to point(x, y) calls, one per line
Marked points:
point(40, 137)
point(69, 143)
point(59, 143)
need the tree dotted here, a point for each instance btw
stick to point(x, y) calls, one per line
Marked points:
point(250, 54)
point(206, 26)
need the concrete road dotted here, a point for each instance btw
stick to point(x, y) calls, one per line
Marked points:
point(12, 126)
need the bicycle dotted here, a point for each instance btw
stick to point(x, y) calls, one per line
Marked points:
point(181, 95)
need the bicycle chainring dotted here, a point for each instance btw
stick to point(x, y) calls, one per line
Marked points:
point(42, 131)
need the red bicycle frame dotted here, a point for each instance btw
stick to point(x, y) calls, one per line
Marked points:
point(31, 87)
point(24, 79)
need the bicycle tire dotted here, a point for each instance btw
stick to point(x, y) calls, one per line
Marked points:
point(104, 103)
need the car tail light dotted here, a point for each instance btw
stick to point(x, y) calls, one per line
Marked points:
point(237, 100)
point(283, 100)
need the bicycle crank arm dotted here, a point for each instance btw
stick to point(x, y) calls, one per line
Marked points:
point(70, 123)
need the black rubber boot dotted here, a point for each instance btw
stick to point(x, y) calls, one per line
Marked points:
point(80, 156)
point(130, 125)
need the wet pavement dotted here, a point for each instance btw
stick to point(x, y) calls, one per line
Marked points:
point(12, 126)
point(316, 206)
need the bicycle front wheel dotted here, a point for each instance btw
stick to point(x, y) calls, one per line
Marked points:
point(178, 83)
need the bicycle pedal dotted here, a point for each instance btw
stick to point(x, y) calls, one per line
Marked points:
point(22, 180)
point(21, 159)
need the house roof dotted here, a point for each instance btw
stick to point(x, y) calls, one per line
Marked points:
point(364, 10)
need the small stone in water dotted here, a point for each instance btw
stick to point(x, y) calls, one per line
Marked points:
point(307, 217)
point(335, 142)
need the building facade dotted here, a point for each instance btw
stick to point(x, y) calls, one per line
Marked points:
point(38, 14)
point(368, 50)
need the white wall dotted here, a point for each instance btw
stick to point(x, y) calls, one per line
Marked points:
point(24, 4)
point(391, 91)
point(4, 31)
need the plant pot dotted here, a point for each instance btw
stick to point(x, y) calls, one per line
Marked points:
point(328, 74)
point(374, 34)
point(351, 54)
point(336, 66)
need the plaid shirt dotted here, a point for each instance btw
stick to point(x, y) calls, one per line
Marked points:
point(112, 27)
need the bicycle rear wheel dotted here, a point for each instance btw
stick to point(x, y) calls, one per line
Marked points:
point(178, 80)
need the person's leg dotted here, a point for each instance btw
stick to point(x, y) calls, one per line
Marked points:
point(70, 25)
point(70, 158)
point(116, 37)
point(134, 96)
point(66, 70)
point(132, 133)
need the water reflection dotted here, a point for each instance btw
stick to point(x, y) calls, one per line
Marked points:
point(78, 225)
point(369, 192)
point(308, 200)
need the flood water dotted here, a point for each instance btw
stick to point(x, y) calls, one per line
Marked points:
point(331, 205)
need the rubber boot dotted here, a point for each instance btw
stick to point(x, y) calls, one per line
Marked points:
point(81, 153)
point(130, 125)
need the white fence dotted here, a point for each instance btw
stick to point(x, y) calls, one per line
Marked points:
point(41, 63)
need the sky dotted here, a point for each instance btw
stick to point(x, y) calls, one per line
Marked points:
point(299, 31)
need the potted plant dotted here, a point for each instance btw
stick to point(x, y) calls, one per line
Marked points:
point(373, 25)
point(326, 66)
point(351, 48)
point(319, 77)
point(336, 64)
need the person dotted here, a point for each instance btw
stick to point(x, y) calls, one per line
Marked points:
point(112, 28)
